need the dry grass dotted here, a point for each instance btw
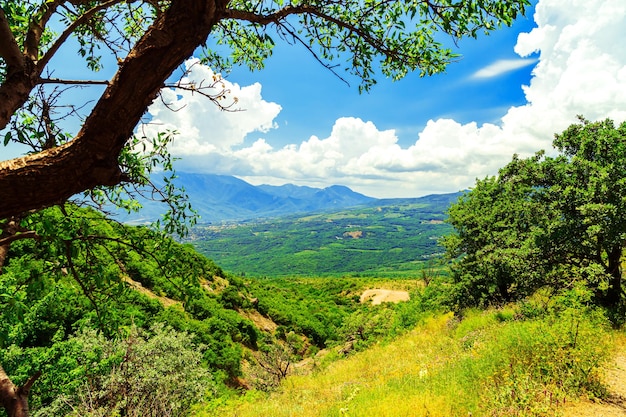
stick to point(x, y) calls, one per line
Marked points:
point(386, 380)
point(481, 366)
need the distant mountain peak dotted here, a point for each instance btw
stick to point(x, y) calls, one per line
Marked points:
point(219, 198)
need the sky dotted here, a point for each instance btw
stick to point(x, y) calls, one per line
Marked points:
point(509, 93)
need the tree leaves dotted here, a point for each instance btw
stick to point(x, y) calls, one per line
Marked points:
point(546, 221)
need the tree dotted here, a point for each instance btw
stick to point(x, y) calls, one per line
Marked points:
point(150, 39)
point(546, 221)
point(144, 373)
point(586, 185)
point(494, 259)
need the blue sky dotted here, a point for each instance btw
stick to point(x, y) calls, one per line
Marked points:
point(312, 98)
point(508, 93)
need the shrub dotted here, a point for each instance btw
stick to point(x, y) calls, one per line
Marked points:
point(156, 374)
point(540, 363)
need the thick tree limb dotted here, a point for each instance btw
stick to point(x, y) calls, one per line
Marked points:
point(14, 399)
point(40, 180)
point(9, 50)
point(32, 44)
point(17, 86)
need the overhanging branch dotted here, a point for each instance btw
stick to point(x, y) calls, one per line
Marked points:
point(72, 82)
point(281, 14)
point(70, 29)
point(31, 234)
point(9, 50)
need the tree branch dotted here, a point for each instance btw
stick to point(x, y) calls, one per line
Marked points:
point(308, 47)
point(289, 10)
point(25, 389)
point(31, 234)
point(72, 82)
point(70, 29)
point(272, 17)
point(91, 159)
point(36, 29)
point(15, 399)
point(9, 50)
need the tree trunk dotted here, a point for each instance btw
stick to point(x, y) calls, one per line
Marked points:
point(43, 179)
point(14, 399)
point(614, 293)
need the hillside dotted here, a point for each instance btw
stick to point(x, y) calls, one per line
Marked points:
point(486, 364)
point(385, 236)
point(218, 198)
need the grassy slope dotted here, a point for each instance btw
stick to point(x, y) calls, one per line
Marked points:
point(488, 364)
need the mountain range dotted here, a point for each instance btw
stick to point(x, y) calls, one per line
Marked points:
point(219, 198)
point(222, 198)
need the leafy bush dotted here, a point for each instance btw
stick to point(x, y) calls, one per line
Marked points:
point(145, 374)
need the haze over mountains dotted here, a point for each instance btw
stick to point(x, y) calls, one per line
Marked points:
point(220, 198)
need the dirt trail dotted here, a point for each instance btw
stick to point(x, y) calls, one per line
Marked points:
point(380, 295)
point(138, 287)
point(615, 405)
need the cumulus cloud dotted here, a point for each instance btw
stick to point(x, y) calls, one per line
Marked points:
point(203, 127)
point(581, 69)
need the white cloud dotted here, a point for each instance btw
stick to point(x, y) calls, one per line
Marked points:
point(502, 66)
point(581, 70)
point(202, 126)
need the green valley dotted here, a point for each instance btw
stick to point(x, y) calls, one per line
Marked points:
point(387, 237)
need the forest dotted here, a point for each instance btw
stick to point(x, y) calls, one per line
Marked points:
point(390, 237)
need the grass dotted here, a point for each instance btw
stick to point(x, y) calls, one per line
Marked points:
point(490, 363)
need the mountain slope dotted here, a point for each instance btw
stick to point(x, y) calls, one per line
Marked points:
point(219, 198)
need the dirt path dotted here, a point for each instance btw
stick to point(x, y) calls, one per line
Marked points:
point(379, 295)
point(615, 405)
point(138, 287)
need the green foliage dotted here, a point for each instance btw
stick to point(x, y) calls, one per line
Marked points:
point(328, 312)
point(492, 247)
point(116, 277)
point(159, 373)
point(315, 308)
point(546, 221)
point(140, 160)
point(393, 239)
point(78, 248)
point(396, 37)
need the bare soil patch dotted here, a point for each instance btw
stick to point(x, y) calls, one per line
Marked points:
point(615, 404)
point(381, 295)
point(167, 302)
point(260, 321)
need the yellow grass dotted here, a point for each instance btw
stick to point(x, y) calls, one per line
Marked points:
point(481, 366)
point(386, 380)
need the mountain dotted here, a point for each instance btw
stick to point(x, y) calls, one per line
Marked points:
point(219, 198)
